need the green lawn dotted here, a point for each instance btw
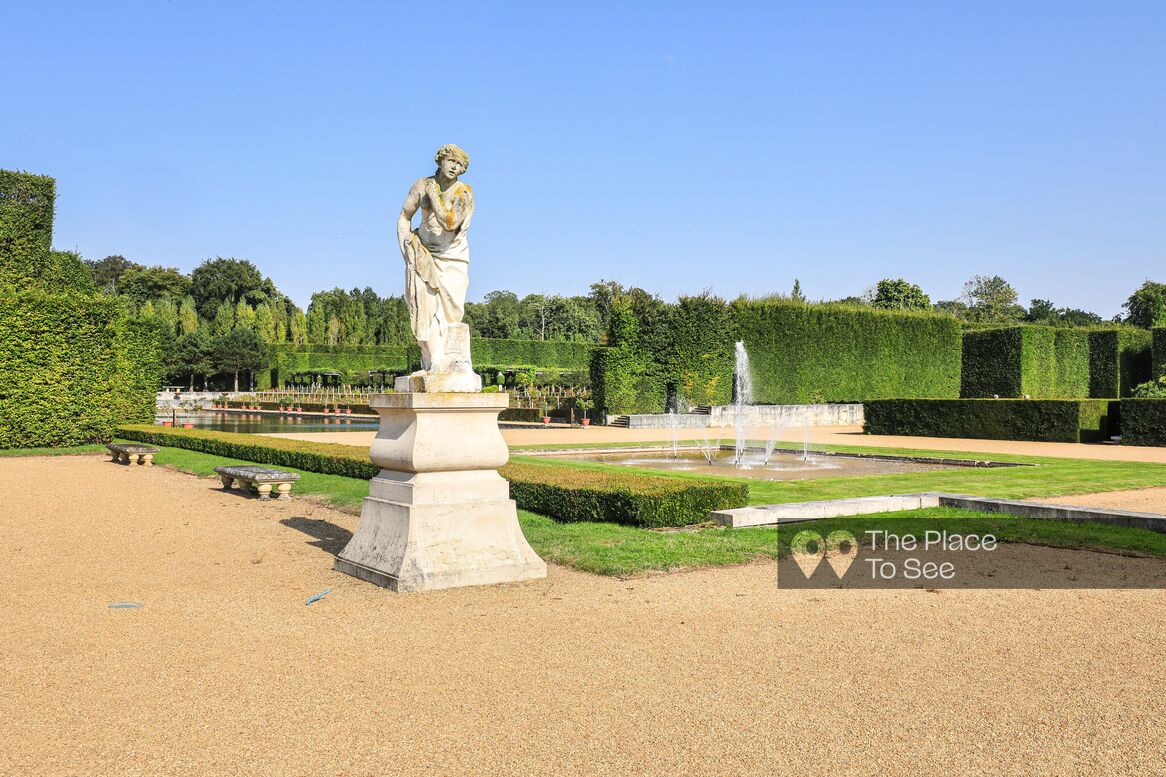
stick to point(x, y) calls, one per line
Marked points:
point(1051, 477)
point(73, 450)
point(611, 549)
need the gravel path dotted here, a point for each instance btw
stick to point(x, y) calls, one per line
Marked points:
point(1142, 500)
point(225, 671)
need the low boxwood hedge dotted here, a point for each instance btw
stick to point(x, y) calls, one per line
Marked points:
point(1042, 420)
point(563, 493)
point(324, 457)
point(1143, 421)
point(571, 494)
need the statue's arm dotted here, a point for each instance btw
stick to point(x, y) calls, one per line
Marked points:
point(405, 220)
point(451, 220)
point(469, 195)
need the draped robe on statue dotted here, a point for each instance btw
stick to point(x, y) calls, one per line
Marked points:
point(437, 257)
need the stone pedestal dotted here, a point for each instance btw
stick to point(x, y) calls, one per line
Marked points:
point(438, 514)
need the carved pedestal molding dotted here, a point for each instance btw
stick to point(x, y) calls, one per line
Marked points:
point(438, 514)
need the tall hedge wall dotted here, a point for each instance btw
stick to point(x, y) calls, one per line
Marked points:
point(1119, 359)
point(1143, 422)
point(1159, 352)
point(1048, 362)
point(26, 228)
point(527, 354)
point(356, 360)
point(1044, 420)
point(350, 360)
point(800, 353)
point(1009, 362)
point(72, 368)
point(73, 365)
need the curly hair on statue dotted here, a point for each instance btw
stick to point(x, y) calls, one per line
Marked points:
point(450, 151)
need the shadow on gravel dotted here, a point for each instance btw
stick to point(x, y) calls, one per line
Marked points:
point(328, 536)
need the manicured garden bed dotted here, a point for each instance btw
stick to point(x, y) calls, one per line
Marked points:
point(641, 500)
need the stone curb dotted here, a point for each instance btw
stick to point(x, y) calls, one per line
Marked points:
point(771, 515)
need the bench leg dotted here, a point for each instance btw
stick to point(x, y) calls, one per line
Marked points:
point(127, 458)
point(241, 484)
point(228, 482)
point(114, 456)
point(284, 490)
point(146, 459)
point(264, 490)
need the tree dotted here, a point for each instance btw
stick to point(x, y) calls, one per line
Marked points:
point(796, 295)
point(244, 316)
point(298, 328)
point(1041, 311)
point(1075, 317)
point(991, 299)
point(317, 325)
point(107, 271)
point(195, 356)
point(240, 350)
point(899, 294)
point(265, 323)
point(497, 315)
point(603, 295)
point(233, 280)
point(953, 307)
point(224, 319)
point(1146, 307)
point(143, 283)
point(537, 308)
point(167, 311)
point(187, 316)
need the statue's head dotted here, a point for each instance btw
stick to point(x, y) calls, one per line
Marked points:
point(451, 160)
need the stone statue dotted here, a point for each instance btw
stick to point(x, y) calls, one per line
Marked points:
point(437, 257)
point(438, 514)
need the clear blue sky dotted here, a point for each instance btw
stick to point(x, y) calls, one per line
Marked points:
point(675, 146)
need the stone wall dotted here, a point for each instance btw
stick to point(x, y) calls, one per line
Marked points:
point(783, 416)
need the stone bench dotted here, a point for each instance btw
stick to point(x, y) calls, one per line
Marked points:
point(128, 453)
point(264, 479)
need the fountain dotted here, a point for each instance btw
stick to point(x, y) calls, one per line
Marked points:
point(742, 398)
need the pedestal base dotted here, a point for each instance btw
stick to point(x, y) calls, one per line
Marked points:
point(428, 547)
point(438, 514)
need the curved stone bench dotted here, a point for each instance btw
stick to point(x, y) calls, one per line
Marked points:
point(128, 453)
point(263, 479)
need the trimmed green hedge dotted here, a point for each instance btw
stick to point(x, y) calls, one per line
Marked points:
point(1009, 362)
point(1072, 356)
point(1043, 420)
point(72, 364)
point(564, 493)
point(355, 361)
point(323, 457)
point(527, 354)
point(68, 272)
point(352, 361)
point(1143, 421)
point(571, 494)
point(72, 367)
point(1119, 360)
point(1053, 362)
point(26, 228)
point(801, 353)
point(1159, 352)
